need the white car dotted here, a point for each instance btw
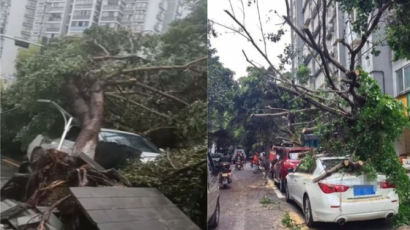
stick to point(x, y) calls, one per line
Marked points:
point(114, 147)
point(341, 197)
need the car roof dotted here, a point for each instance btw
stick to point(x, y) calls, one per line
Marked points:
point(333, 158)
point(293, 148)
point(118, 131)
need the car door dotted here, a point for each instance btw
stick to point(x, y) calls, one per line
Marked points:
point(300, 179)
point(212, 188)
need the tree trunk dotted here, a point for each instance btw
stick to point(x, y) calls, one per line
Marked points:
point(342, 164)
point(88, 105)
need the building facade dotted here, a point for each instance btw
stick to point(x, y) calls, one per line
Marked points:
point(392, 76)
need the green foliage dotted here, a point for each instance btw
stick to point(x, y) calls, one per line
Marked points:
point(181, 177)
point(289, 222)
point(268, 202)
point(43, 75)
point(303, 74)
point(398, 32)
point(307, 162)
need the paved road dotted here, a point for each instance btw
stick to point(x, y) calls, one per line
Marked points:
point(241, 208)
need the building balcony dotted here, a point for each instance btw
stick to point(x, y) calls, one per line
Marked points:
point(55, 9)
point(82, 17)
point(83, 6)
point(110, 19)
point(113, 7)
point(52, 29)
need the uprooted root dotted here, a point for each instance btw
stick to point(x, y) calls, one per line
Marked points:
point(53, 172)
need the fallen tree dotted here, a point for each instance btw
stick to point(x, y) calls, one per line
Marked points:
point(346, 164)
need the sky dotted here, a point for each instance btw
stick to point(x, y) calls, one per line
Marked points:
point(229, 44)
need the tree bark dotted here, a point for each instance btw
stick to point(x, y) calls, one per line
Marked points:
point(88, 106)
point(344, 164)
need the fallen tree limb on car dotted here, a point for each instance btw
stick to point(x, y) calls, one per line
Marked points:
point(344, 164)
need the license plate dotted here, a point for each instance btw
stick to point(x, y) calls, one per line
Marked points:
point(363, 190)
point(225, 174)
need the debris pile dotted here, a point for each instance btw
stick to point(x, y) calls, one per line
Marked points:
point(41, 199)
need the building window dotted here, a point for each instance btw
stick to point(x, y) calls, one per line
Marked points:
point(54, 17)
point(141, 5)
point(112, 2)
point(79, 23)
point(403, 79)
point(82, 14)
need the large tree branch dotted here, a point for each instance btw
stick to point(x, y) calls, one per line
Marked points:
point(103, 58)
point(315, 103)
point(150, 88)
point(171, 67)
point(139, 105)
point(283, 113)
point(366, 34)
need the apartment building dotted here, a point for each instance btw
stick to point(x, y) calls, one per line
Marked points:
point(392, 76)
point(84, 14)
point(40, 20)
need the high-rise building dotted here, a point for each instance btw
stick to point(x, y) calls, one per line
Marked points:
point(84, 14)
point(40, 20)
point(392, 76)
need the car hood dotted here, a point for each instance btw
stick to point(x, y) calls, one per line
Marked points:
point(148, 156)
point(68, 147)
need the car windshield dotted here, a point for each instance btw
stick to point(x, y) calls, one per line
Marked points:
point(329, 163)
point(132, 141)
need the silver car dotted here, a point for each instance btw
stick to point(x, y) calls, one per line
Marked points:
point(114, 147)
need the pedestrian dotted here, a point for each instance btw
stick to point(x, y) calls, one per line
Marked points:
point(255, 162)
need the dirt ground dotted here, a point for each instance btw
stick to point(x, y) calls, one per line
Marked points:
point(241, 207)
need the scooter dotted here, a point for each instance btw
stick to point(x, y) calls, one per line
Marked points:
point(225, 177)
point(238, 164)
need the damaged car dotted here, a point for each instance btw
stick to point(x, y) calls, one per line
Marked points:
point(343, 196)
point(114, 147)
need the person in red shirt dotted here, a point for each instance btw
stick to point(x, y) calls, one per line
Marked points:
point(255, 160)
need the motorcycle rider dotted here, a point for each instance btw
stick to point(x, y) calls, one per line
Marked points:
point(238, 155)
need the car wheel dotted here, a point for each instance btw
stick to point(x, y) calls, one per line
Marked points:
point(282, 185)
point(214, 221)
point(307, 211)
point(287, 193)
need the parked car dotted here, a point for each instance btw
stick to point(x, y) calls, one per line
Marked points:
point(341, 197)
point(286, 158)
point(405, 161)
point(114, 147)
point(213, 209)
